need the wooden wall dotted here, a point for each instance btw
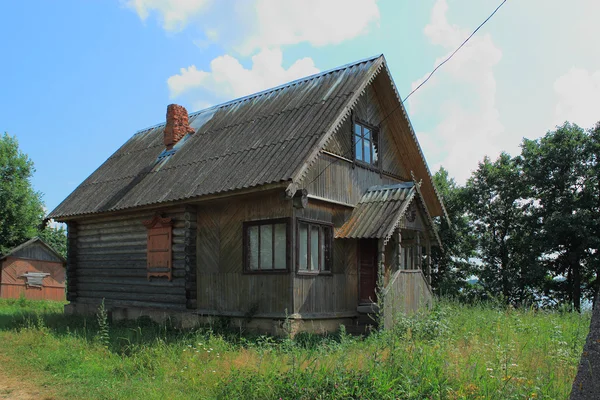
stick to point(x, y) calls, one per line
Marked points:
point(36, 251)
point(223, 287)
point(338, 180)
point(13, 285)
point(336, 293)
point(368, 109)
point(107, 260)
point(407, 293)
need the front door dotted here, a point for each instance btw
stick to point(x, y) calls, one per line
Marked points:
point(367, 269)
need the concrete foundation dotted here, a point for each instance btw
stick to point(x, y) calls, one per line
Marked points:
point(190, 319)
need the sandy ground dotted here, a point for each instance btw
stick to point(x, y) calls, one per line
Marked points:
point(19, 387)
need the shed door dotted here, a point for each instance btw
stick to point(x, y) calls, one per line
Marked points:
point(367, 265)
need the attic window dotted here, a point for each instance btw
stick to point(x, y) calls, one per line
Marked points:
point(159, 251)
point(366, 143)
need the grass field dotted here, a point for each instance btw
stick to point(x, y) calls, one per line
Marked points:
point(454, 352)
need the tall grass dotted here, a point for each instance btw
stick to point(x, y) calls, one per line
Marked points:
point(453, 352)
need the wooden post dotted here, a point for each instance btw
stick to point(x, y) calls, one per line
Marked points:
point(381, 265)
point(399, 249)
point(71, 261)
point(191, 284)
point(428, 245)
point(418, 254)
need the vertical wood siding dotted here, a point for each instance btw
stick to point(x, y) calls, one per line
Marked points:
point(336, 179)
point(368, 109)
point(223, 287)
point(338, 291)
point(110, 261)
point(407, 293)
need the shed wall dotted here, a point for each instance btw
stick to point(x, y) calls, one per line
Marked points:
point(13, 286)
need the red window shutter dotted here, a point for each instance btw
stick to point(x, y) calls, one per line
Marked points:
point(159, 253)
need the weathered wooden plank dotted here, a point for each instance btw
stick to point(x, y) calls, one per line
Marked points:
point(109, 303)
point(119, 280)
point(145, 297)
point(85, 287)
point(128, 272)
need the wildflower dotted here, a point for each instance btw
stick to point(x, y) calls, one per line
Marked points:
point(533, 395)
point(513, 365)
point(489, 369)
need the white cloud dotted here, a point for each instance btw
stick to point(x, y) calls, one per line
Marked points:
point(578, 97)
point(228, 78)
point(248, 26)
point(318, 22)
point(175, 14)
point(187, 79)
point(470, 126)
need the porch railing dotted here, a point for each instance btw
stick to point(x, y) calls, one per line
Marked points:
point(407, 292)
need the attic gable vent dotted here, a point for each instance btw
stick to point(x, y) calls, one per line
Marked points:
point(177, 125)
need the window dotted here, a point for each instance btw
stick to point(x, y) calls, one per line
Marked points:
point(365, 143)
point(266, 246)
point(314, 242)
point(159, 253)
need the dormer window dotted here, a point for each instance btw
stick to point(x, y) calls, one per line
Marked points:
point(366, 143)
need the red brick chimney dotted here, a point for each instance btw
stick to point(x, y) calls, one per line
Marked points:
point(177, 125)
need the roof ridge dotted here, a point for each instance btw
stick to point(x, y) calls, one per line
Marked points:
point(269, 90)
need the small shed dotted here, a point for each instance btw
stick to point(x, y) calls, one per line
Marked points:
point(34, 270)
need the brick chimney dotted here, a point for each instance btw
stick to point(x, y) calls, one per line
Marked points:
point(177, 125)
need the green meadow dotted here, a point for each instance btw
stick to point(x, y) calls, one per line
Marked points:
point(482, 351)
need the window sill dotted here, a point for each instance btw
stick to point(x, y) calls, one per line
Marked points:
point(267, 272)
point(314, 273)
point(366, 165)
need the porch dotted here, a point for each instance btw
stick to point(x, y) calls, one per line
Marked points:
point(394, 235)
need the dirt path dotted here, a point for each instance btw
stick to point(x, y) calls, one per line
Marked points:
point(17, 386)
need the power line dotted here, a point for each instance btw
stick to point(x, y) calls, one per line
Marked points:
point(446, 60)
point(422, 83)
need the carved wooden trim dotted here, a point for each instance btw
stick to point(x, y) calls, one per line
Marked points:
point(158, 221)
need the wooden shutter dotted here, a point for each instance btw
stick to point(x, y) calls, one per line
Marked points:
point(159, 253)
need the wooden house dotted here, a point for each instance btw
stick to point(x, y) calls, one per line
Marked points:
point(33, 270)
point(289, 203)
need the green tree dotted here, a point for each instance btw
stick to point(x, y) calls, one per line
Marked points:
point(561, 169)
point(21, 209)
point(55, 237)
point(499, 208)
point(453, 261)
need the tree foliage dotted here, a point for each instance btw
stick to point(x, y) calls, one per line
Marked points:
point(500, 215)
point(55, 237)
point(561, 168)
point(21, 207)
point(453, 265)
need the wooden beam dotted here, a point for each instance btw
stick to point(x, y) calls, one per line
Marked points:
point(399, 248)
point(428, 246)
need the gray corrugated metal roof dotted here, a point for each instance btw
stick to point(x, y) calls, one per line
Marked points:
point(378, 212)
point(259, 139)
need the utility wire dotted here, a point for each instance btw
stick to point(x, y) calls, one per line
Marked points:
point(421, 84)
point(447, 59)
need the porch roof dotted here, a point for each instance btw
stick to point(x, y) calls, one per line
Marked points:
point(379, 212)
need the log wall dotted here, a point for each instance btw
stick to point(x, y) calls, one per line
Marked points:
point(107, 260)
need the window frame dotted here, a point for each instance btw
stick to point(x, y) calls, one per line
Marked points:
point(246, 243)
point(375, 131)
point(328, 249)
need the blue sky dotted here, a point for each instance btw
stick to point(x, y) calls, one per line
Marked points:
point(78, 78)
